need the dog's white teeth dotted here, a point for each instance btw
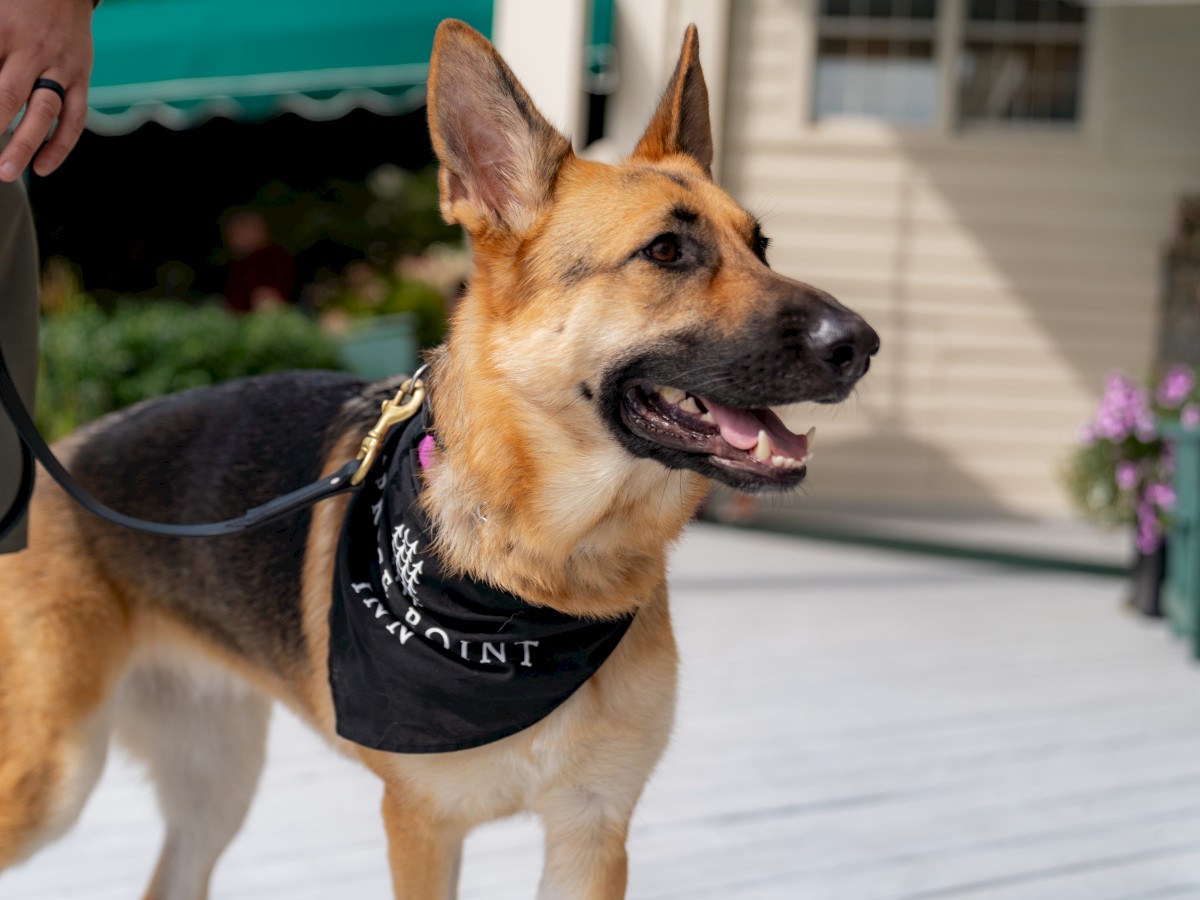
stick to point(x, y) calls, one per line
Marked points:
point(763, 450)
point(688, 405)
point(670, 394)
point(708, 417)
point(786, 462)
point(811, 436)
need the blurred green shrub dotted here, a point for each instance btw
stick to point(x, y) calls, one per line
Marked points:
point(423, 302)
point(94, 362)
point(367, 293)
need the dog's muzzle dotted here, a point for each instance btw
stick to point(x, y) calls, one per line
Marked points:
point(704, 401)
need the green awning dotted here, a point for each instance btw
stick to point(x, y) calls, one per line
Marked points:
point(181, 62)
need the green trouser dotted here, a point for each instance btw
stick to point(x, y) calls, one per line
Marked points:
point(18, 332)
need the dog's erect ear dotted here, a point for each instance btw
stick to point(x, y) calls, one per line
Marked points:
point(499, 157)
point(681, 124)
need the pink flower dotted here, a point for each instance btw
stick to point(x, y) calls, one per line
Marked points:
point(1124, 410)
point(1127, 475)
point(1145, 427)
point(1161, 495)
point(1176, 385)
point(1189, 417)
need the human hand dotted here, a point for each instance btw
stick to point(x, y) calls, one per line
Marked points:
point(43, 39)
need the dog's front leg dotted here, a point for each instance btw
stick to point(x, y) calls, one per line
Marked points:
point(585, 848)
point(424, 851)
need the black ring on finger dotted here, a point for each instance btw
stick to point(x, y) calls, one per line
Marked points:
point(51, 85)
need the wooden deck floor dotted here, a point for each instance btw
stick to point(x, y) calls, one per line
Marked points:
point(854, 725)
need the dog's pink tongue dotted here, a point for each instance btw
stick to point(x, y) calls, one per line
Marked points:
point(740, 428)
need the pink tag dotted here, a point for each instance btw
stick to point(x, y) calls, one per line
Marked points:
point(425, 451)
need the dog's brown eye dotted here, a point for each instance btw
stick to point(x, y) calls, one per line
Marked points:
point(664, 249)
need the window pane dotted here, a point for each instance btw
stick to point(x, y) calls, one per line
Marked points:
point(1070, 12)
point(880, 9)
point(875, 58)
point(892, 80)
point(1014, 81)
point(1021, 61)
point(1033, 10)
point(1025, 11)
point(982, 9)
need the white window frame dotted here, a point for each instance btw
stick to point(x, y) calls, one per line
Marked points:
point(951, 21)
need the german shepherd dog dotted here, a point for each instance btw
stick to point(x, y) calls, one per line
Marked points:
point(620, 346)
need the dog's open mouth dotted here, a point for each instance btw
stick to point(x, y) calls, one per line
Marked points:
point(751, 448)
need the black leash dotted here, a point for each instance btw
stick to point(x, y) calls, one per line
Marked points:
point(400, 408)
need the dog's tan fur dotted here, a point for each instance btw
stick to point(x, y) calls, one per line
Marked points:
point(528, 492)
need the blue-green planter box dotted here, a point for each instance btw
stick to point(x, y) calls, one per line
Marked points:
point(379, 347)
point(1181, 590)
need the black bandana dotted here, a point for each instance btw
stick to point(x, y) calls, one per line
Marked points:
point(424, 662)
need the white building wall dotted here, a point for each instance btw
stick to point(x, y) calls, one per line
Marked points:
point(542, 41)
point(1005, 271)
point(648, 35)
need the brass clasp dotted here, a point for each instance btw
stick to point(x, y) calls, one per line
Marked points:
point(399, 409)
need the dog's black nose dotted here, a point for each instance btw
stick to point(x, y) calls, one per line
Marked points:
point(844, 344)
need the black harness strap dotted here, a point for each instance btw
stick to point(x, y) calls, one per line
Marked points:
point(24, 492)
point(33, 446)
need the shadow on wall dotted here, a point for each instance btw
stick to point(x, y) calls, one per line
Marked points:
point(920, 477)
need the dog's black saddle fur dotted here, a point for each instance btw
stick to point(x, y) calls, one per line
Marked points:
point(209, 454)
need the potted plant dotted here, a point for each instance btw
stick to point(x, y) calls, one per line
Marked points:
point(1122, 472)
point(381, 319)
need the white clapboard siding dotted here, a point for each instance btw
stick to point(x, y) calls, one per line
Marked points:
point(1007, 272)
